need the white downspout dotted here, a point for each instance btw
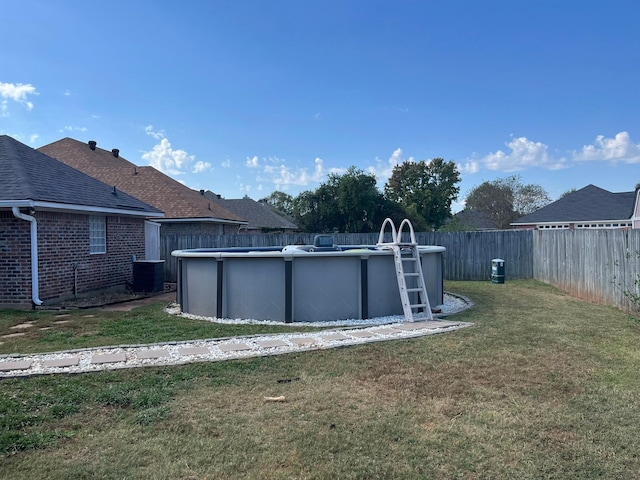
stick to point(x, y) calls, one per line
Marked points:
point(35, 294)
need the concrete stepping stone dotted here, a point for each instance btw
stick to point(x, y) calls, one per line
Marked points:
point(333, 336)
point(411, 326)
point(271, 343)
point(187, 351)
point(61, 362)
point(15, 365)
point(234, 347)
point(303, 341)
point(109, 358)
point(61, 322)
point(363, 334)
point(387, 331)
point(12, 335)
point(22, 326)
point(150, 354)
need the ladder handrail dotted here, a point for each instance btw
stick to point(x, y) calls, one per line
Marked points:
point(394, 233)
point(411, 232)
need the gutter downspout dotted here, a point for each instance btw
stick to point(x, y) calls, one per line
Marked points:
point(35, 294)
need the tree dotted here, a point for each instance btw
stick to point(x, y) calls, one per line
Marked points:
point(281, 202)
point(426, 189)
point(348, 203)
point(505, 200)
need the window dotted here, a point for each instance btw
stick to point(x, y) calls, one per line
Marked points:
point(97, 234)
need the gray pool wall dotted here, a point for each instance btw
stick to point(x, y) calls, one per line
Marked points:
point(298, 286)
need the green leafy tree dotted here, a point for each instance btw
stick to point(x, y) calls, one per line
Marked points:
point(281, 202)
point(426, 189)
point(349, 203)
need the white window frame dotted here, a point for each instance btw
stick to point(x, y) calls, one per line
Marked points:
point(97, 234)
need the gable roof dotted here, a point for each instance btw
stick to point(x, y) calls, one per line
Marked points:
point(178, 201)
point(588, 204)
point(31, 178)
point(257, 214)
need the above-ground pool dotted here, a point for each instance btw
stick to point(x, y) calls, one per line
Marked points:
point(313, 283)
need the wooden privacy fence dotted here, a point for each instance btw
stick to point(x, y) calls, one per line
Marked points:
point(597, 265)
point(468, 255)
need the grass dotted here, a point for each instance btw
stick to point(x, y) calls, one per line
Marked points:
point(544, 386)
point(65, 330)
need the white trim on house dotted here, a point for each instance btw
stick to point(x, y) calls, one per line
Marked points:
point(66, 207)
point(581, 225)
point(635, 219)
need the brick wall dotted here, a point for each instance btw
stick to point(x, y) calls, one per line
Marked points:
point(63, 241)
point(198, 228)
point(15, 261)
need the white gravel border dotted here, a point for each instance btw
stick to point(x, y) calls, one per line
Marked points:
point(220, 349)
point(452, 304)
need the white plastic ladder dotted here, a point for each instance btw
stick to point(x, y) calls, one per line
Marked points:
point(411, 282)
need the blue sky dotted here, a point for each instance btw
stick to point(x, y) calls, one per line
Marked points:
point(245, 97)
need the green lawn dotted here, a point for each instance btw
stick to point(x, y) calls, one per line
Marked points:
point(543, 386)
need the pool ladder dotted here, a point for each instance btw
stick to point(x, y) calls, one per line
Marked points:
point(411, 282)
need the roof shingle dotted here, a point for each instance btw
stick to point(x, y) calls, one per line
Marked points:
point(258, 215)
point(27, 174)
point(145, 183)
point(590, 203)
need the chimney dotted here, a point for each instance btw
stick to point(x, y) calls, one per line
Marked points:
point(92, 144)
point(201, 192)
point(115, 152)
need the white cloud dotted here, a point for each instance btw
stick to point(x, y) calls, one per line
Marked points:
point(18, 92)
point(152, 133)
point(69, 128)
point(4, 109)
point(282, 176)
point(471, 166)
point(226, 163)
point(201, 166)
point(252, 162)
point(523, 153)
point(383, 170)
point(166, 159)
point(621, 147)
point(33, 138)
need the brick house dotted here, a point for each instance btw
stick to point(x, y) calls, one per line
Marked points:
point(590, 207)
point(62, 232)
point(186, 211)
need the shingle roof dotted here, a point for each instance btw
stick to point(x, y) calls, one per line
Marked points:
point(145, 183)
point(590, 203)
point(258, 215)
point(27, 174)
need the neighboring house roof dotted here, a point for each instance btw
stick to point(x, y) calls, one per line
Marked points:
point(258, 215)
point(31, 178)
point(588, 204)
point(146, 183)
